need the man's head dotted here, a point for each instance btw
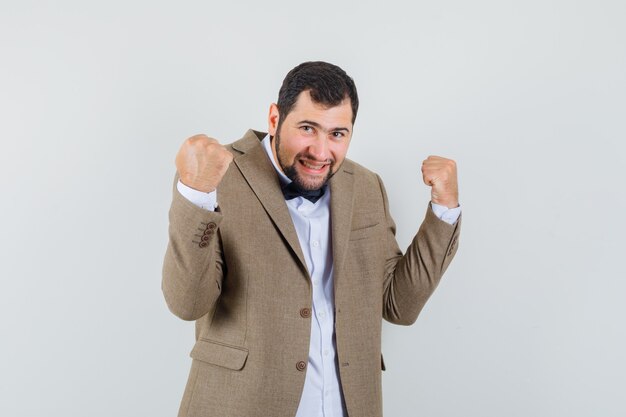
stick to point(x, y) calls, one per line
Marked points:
point(312, 122)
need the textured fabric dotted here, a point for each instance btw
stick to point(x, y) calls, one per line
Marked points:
point(241, 274)
point(208, 201)
point(321, 394)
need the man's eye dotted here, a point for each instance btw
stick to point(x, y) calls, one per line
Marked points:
point(307, 128)
point(338, 134)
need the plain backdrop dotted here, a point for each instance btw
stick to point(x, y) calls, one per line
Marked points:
point(529, 97)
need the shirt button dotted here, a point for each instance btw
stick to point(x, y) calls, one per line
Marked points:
point(326, 352)
point(300, 366)
point(321, 314)
point(305, 313)
point(316, 243)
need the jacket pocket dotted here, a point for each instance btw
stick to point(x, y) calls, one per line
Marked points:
point(216, 353)
point(363, 232)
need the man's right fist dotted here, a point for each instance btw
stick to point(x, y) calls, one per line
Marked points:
point(201, 163)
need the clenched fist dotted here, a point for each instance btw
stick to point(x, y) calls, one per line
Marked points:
point(440, 174)
point(202, 162)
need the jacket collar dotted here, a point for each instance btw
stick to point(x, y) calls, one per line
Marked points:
point(260, 174)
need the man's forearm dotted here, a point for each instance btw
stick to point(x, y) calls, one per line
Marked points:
point(192, 267)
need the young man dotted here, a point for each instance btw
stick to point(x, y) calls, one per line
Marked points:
point(284, 253)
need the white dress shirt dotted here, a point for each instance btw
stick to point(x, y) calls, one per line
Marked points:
point(322, 395)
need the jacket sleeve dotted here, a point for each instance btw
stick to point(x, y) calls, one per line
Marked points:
point(410, 279)
point(193, 264)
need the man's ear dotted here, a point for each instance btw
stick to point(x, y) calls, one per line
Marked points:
point(272, 119)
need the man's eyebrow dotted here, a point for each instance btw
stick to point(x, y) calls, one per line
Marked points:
point(315, 124)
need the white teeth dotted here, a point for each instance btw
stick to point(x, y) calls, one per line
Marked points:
point(312, 166)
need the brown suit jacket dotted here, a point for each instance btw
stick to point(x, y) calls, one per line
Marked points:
point(240, 273)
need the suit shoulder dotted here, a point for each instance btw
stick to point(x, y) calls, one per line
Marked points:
point(250, 139)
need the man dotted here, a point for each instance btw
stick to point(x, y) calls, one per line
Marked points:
point(284, 253)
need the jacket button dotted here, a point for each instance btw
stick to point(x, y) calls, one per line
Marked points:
point(300, 366)
point(206, 238)
point(211, 226)
point(209, 232)
point(305, 313)
point(204, 244)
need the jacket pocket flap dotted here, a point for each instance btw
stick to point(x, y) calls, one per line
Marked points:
point(231, 357)
point(363, 232)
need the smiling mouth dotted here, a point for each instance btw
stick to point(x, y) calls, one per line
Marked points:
point(311, 166)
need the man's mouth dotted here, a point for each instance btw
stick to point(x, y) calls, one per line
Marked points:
point(315, 166)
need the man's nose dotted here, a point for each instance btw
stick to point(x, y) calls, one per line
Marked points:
point(319, 149)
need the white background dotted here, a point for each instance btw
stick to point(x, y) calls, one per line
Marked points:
point(528, 96)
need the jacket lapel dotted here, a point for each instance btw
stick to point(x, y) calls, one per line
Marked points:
point(260, 174)
point(341, 202)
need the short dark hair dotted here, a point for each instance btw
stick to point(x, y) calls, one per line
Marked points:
point(328, 85)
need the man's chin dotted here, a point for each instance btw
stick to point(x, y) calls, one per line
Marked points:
point(310, 186)
point(305, 182)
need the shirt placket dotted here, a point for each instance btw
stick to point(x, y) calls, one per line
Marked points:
point(321, 310)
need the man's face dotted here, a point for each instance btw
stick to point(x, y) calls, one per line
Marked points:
point(313, 140)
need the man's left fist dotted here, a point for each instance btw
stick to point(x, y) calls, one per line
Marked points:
point(440, 174)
